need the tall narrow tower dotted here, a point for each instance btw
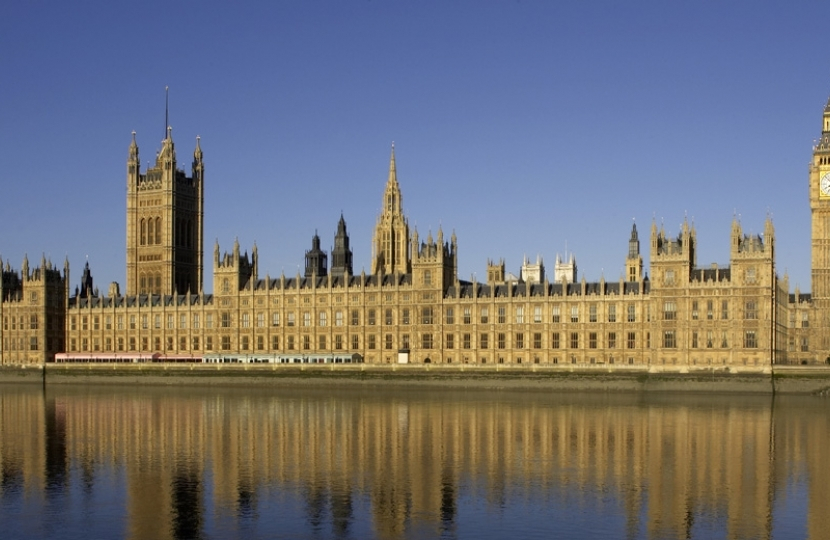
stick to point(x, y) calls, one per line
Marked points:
point(390, 245)
point(164, 223)
point(341, 254)
point(820, 256)
point(634, 261)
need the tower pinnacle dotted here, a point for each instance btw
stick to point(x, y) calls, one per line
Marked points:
point(393, 174)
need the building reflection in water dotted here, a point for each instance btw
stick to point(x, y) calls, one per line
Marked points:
point(346, 464)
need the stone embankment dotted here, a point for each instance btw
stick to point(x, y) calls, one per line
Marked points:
point(784, 380)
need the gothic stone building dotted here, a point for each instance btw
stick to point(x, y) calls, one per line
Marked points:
point(412, 306)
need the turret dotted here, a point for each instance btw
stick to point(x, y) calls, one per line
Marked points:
point(433, 262)
point(233, 271)
point(634, 261)
point(565, 271)
point(198, 161)
point(133, 164)
point(86, 282)
point(66, 281)
point(341, 254)
point(167, 155)
point(533, 273)
point(495, 272)
point(255, 263)
point(315, 259)
point(672, 259)
point(769, 236)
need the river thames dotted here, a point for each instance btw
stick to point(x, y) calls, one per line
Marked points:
point(403, 462)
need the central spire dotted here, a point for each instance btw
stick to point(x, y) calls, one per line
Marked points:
point(393, 174)
point(391, 240)
point(392, 196)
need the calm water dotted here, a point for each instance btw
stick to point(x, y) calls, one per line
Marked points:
point(304, 463)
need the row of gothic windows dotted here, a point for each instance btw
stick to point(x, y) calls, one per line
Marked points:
point(150, 231)
point(150, 283)
point(32, 323)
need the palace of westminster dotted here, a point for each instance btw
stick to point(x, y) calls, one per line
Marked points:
point(413, 307)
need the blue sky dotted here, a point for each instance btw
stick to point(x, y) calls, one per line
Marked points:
point(526, 127)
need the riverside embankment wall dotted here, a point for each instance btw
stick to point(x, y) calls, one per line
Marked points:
point(784, 380)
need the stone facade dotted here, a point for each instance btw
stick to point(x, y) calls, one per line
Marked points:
point(682, 317)
point(33, 310)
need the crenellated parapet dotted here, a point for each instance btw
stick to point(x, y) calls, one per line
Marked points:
point(434, 262)
point(234, 271)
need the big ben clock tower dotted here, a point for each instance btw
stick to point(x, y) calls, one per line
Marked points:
point(820, 260)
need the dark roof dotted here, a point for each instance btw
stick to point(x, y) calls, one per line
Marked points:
point(802, 298)
point(142, 300)
point(483, 290)
point(711, 274)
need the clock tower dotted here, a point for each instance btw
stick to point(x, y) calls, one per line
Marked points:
point(820, 233)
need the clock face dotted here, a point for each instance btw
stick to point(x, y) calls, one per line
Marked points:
point(824, 185)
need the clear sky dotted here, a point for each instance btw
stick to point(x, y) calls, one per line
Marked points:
point(527, 127)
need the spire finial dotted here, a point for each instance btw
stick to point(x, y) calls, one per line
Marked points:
point(393, 174)
point(166, 122)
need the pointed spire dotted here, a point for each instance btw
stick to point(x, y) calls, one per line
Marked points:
point(634, 242)
point(392, 202)
point(197, 153)
point(132, 156)
point(393, 174)
point(166, 109)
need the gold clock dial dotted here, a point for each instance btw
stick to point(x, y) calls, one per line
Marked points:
point(824, 185)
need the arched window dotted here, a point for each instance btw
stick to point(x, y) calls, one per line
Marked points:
point(143, 232)
point(158, 230)
point(150, 229)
